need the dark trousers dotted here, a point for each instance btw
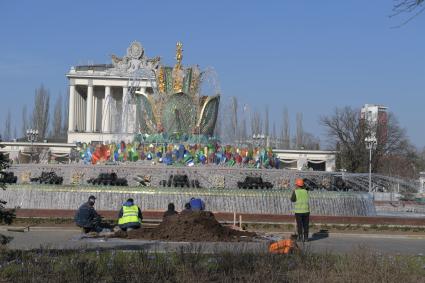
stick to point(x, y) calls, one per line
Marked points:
point(124, 227)
point(302, 223)
point(96, 225)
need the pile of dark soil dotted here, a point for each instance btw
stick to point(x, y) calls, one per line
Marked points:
point(191, 227)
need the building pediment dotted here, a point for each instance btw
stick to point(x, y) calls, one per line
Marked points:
point(134, 61)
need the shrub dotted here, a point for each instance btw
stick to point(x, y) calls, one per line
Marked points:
point(6, 216)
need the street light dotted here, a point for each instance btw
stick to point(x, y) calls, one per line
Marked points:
point(32, 136)
point(370, 144)
point(257, 139)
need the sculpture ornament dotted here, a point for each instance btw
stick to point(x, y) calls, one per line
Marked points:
point(134, 60)
point(175, 105)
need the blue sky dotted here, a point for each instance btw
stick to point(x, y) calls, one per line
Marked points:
point(310, 56)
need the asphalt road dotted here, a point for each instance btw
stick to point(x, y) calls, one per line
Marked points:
point(66, 238)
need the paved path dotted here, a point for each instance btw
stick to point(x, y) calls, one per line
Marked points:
point(341, 243)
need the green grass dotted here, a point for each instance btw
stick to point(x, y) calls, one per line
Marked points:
point(139, 266)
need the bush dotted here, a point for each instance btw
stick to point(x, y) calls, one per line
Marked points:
point(6, 215)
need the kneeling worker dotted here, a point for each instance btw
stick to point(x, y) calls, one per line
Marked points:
point(87, 217)
point(170, 211)
point(130, 216)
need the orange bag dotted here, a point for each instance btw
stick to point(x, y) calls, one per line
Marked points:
point(283, 247)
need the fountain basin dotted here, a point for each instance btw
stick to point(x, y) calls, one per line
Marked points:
point(156, 198)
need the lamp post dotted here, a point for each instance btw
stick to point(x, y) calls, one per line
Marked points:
point(370, 144)
point(257, 139)
point(32, 136)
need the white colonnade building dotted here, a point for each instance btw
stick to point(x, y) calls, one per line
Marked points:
point(100, 107)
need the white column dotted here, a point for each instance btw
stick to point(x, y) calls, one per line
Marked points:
point(89, 108)
point(106, 123)
point(77, 111)
point(94, 113)
point(71, 115)
point(81, 115)
point(81, 125)
point(124, 116)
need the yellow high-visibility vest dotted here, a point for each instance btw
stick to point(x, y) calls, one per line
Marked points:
point(130, 214)
point(301, 205)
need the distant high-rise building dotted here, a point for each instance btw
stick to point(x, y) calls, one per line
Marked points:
point(376, 117)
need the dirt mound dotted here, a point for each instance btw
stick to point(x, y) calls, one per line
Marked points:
point(192, 227)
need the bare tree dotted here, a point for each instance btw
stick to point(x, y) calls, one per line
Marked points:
point(218, 126)
point(8, 127)
point(57, 118)
point(347, 133)
point(40, 114)
point(256, 123)
point(286, 135)
point(253, 123)
point(234, 118)
point(227, 130)
point(300, 131)
point(310, 141)
point(243, 132)
point(274, 137)
point(266, 122)
point(347, 136)
point(65, 115)
point(24, 121)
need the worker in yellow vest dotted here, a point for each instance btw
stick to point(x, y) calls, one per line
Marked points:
point(302, 209)
point(130, 216)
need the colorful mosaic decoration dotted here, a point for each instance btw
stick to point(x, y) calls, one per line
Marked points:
point(184, 154)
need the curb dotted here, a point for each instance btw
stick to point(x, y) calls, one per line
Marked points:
point(36, 228)
point(330, 235)
point(366, 236)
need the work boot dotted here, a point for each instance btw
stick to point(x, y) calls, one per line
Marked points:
point(305, 238)
point(299, 238)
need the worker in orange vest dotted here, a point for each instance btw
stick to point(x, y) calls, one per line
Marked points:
point(302, 209)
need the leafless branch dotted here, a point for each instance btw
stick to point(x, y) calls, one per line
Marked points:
point(416, 7)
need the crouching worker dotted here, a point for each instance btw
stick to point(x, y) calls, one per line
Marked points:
point(170, 211)
point(187, 209)
point(87, 217)
point(130, 216)
point(197, 204)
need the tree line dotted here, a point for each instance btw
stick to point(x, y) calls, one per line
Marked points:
point(50, 125)
point(346, 131)
point(239, 124)
point(393, 155)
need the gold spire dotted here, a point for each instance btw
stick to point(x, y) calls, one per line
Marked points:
point(178, 70)
point(161, 80)
point(179, 53)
